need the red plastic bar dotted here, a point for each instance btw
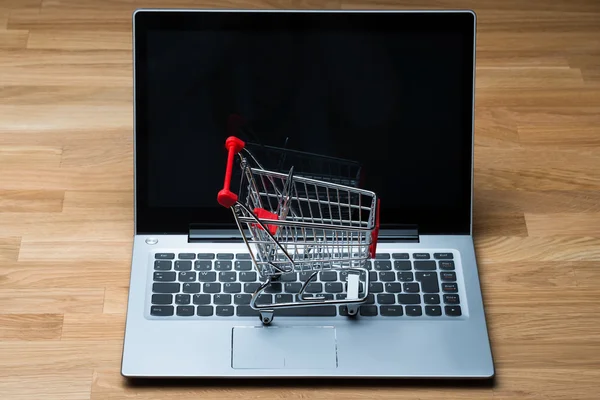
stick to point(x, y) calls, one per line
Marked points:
point(226, 197)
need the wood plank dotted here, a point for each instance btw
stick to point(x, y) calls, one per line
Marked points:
point(9, 248)
point(31, 201)
point(30, 326)
point(20, 156)
point(66, 95)
point(540, 201)
point(65, 274)
point(505, 249)
point(84, 40)
point(48, 384)
point(525, 78)
point(13, 39)
point(88, 326)
point(529, 275)
point(503, 224)
point(115, 298)
point(580, 224)
point(72, 250)
point(51, 301)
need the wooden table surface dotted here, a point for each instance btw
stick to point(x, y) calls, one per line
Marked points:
point(66, 212)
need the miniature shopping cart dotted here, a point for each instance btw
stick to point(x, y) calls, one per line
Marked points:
point(298, 224)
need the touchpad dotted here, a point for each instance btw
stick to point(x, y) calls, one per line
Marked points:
point(293, 347)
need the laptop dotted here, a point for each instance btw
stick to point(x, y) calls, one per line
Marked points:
point(387, 97)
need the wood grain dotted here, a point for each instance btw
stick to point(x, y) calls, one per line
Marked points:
point(66, 195)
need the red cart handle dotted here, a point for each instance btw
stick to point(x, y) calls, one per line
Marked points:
point(226, 197)
point(375, 233)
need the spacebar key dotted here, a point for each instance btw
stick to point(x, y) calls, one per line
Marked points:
point(318, 311)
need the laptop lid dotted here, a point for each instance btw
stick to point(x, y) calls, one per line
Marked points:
point(388, 94)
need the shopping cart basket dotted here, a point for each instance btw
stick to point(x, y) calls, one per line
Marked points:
point(297, 224)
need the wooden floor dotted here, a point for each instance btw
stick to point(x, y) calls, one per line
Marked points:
point(66, 199)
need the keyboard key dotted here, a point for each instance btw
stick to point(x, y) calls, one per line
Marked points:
point(274, 288)
point(425, 265)
point(242, 299)
point(200, 265)
point(386, 298)
point(232, 287)
point(186, 277)
point(206, 256)
point(402, 265)
point(431, 298)
point(453, 311)
point(341, 296)
point(243, 256)
point(372, 276)
point(370, 299)
point(433, 311)
point(326, 296)
point(328, 276)
point(391, 311)
point(225, 256)
point(344, 276)
point(243, 265)
point(414, 311)
point(165, 287)
point(429, 282)
point(387, 276)
point(191, 288)
point(291, 277)
point(201, 299)
point(449, 287)
point(451, 299)
point(207, 276)
point(394, 287)
point(227, 276)
point(448, 276)
point(376, 287)
point(162, 298)
point(212, 288)
point(222, 299)
point(264, 299)
point(368, 311)
point(382, 265)
point(186, 256)
point(447, 265)
point(382, 256)
point(164, 256)
point(223, 265)
point(409, 299)
point(185, 311)
point(315, 311)
point(164, 276)
point(246, 276)
point(162, 311)
point(368, 265)
point(204, 311)
point(305, 275)
point(400, 256)
point(160, 265)
point(406, 276)
point(421, 256)
point(246, 311)
point(334, 287)
point(183, 265)
point(182, 299)
point(284, 298)
point(411, 287)
point(251, 287)
point(443, 256)
point(292, 287)
point(314, 287)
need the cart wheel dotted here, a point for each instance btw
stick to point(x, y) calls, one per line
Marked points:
point(353, 310)
point(266, 317)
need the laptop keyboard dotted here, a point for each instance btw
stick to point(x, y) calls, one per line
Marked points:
point(204, 285)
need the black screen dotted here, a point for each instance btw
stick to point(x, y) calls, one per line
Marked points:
point(382, 101)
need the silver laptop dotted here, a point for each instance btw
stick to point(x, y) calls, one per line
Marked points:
point(386, 98)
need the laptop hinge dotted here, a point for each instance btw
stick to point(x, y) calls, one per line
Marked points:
point(200, 233)
point(404, 233)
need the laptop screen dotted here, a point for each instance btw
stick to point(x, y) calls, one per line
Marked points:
point(381, 101)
